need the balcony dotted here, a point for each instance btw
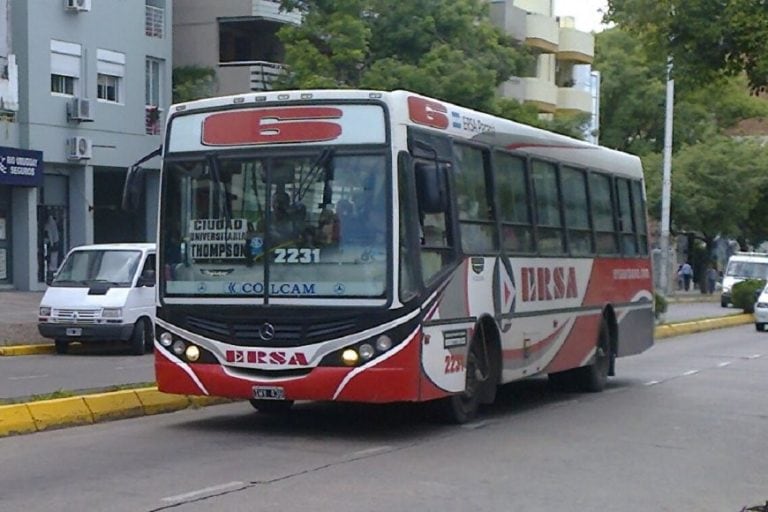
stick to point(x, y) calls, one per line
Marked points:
point(576, 46)
point(263, 73)
point(154, 21)
point(9, 85)
point(153, 120)
point(271, 9)
point(541, 93)
point(572, 99)
point(535, 30)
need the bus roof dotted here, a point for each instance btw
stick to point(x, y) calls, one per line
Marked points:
point(454, 120)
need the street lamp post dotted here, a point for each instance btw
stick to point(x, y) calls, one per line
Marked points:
point(666, 181)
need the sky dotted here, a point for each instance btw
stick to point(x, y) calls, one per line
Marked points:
point(585, 12)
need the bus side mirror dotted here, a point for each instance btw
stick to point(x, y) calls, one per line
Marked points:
point(133, 188)
point(431, 188)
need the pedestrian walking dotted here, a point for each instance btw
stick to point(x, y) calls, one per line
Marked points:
point(712, 276)
point(687, 271)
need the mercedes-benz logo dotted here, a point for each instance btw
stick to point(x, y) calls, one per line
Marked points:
point(267, 331)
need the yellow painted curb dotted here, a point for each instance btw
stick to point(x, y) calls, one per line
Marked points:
point(60, 412)
point(16, 419)
point(26, 350)
point(681, 328)
point(114, 405)
point(155, 402)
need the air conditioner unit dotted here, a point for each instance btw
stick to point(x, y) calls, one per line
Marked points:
point(79, 148)
point(79, 109)
point(77, 5)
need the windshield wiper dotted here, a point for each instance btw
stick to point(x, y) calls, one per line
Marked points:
point(320, 164)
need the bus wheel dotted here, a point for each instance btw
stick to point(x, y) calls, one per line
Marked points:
point(62, 346)
point(463, 407)
point(272, 406)
point(592, 378)
point(139, 338)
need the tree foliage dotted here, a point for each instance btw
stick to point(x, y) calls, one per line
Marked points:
point(447, 49)
point(192, 83)
point(705, 38)
point(719, 188)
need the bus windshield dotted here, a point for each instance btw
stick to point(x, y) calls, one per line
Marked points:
point(274, 226)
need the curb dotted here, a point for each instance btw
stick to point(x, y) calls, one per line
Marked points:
point(680, 328)
point(44, 415)
point(26, 418)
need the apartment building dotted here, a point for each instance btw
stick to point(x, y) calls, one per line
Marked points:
point(561, 79)
point(83, 88)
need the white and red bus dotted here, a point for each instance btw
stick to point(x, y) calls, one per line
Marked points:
point(379, 247)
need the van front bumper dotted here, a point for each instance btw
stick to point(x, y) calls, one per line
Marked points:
point(87, 332)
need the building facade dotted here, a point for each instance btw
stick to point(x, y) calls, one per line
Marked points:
point(236, 38)
point(561, 79)
point(83, 90)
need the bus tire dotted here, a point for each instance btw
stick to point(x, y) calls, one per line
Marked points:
point(462, 407)
point(139, 337)
point(272, 406)
point(593, 377)
point(62, 346)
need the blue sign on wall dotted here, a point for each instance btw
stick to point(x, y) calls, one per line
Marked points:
point(21, 167)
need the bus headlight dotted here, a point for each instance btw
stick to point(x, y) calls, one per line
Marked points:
point(350, 357)
point(166, 339)
point(179, 347)
point(383, 343)
point(366, 351)
point(192, 353)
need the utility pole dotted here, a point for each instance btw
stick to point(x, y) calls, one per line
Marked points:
point(666, 181)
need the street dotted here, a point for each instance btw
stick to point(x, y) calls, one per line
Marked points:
point(680, 428)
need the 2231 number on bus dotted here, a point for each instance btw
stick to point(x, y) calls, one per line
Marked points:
point(454, 363)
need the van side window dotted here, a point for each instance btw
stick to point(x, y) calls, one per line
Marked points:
point(148, 270)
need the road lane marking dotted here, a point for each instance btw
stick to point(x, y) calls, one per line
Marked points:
point(652, 383)
point(724, 364)
point(690, 372)
point(754, 356)
point(28, 377)
point(203, 492)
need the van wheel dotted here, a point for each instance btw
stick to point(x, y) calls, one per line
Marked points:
point(593, 378)
point(62, 346)
point(723, 302)
point(139, 337)
point(759, 326)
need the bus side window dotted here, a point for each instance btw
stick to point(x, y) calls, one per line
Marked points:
point(602, 213)
point(626, 222)
point(549, 225)
point(476, 220)
point(514, 203)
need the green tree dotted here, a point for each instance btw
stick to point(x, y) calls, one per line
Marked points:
point(447, 49)
point(192, 83)
point(719, 188)
point(706, 39)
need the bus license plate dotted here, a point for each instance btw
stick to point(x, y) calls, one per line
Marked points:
point(74, 331)
point(268, 393)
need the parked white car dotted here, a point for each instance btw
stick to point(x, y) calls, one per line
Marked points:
point(761, 310)
point(102, 293)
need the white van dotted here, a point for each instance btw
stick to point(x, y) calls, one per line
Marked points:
point(101, 293)
point(741, 266)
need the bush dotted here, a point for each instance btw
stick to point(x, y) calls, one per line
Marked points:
point(660, 304)
point(744, 294)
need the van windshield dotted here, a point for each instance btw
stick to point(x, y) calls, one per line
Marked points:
point(747, 269)
point(87, 267)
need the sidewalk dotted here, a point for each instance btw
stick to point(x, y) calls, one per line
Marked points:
point(18, 318)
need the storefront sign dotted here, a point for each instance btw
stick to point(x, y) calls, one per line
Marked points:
point(21, 167)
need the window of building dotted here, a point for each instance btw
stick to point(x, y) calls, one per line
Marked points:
point(574, 185)
point(247, 41)
point(65, 67)
point(154, 18)
point(476, 222)
point(514, 203)
point(110, 68)
point(549, 225)
point(153, 86)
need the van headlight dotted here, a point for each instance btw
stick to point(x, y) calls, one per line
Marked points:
point(45, 311)
point(112, 313)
